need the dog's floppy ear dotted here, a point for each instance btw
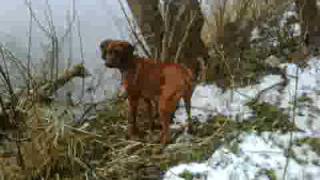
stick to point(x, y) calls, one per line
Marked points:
point(129, 48)
point(104, 44)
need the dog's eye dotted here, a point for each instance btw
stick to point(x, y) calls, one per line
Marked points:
point(110, 51)
point(113, 51)
point(116, 51)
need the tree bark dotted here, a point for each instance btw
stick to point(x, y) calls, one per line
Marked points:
point(45, 91)
point(309, 14)
point(148, 17)
point(177, 30)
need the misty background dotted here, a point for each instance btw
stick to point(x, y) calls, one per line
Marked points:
point(99, 19)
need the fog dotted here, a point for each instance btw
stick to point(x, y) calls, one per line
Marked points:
point(99, 19)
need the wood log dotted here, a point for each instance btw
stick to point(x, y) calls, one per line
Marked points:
point(45, 91)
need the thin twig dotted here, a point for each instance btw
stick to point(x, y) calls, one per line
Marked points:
point(42, 27)
point(185, 37)
point(82, 57)
point(70, 22)
point(146, 52)
point(29, 52)
point(83, 131)
point(291, 127)
point(69, 61)
point(165, 48)
point(174, 26)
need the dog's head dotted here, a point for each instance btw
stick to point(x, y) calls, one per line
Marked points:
point(115, 53)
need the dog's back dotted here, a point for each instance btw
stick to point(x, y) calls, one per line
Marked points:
point(152, 79)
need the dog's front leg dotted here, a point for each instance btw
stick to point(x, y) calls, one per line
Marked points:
point(150, 117)
point(133, 131)
point(165, 125)
point(165, 109)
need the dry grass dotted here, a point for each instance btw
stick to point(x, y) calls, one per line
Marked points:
point(228, 34)
point(55, 148)
point(146, 158)
point(60, 149)
point(234, 11)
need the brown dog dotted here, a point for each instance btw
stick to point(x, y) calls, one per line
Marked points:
point(165, 83)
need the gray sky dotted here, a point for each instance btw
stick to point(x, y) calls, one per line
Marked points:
point(99, 19)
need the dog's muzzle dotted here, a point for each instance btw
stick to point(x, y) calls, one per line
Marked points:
point(108, 63)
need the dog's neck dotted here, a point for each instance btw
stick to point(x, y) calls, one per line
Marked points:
point(131, 67)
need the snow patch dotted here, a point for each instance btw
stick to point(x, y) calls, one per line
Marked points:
point(266, 152)
point(256, 155)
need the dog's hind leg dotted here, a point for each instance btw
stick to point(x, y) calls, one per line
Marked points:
point(187, 103)
point(165, 127)
point(166, 108)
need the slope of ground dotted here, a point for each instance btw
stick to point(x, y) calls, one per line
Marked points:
point(262, 155)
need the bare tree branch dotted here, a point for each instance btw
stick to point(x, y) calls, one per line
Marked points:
point(185, 37)
point(133, 31)
point(41, 26)
point(82, 57)
point(29, 51)
point(70, 22)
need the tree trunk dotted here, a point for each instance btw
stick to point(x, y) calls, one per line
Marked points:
point(309, 15)
point(181, 14)
point(176, 35)
point(148, 17)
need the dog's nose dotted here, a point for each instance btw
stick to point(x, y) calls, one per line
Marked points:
point(108, 63)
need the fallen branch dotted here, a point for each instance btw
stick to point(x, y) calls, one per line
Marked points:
point(281, 84)
point(48, 89)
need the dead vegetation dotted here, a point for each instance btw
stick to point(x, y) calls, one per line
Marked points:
point(51, 146)
point(39, 138)
point(56, 147)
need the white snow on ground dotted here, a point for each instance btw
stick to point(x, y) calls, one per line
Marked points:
point(266, 151)
point(308, 85)
point(209, 100)
point(257, 154)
